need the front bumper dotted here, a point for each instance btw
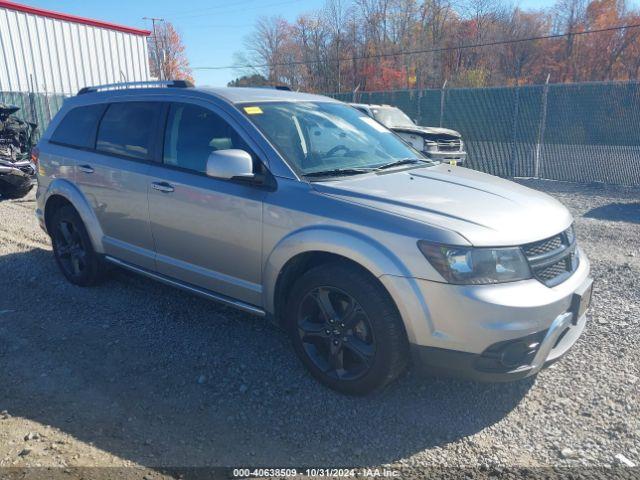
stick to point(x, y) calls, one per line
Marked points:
point(447, 157)
point(555, 342)
point(461, 330)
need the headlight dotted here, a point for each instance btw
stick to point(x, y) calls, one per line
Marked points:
point(476, 266)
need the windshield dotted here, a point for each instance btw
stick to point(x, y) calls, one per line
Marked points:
point(392, 117)
point(318, 137)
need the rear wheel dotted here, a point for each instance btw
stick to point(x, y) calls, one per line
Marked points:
point(72, 248)
point(346, 329)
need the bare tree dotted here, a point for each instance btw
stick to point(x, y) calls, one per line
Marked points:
point(363, 44)
point(266, 47)
point(335, 16)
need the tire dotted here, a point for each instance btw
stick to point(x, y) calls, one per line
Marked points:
point(9, 191)
point(72, 248)
point(360, 320)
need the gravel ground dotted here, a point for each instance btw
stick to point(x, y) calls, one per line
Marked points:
point(134, 373)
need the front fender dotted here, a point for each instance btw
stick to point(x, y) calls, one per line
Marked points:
point(70, 192)
point(364, 250)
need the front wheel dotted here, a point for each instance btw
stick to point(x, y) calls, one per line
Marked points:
point(346, 329)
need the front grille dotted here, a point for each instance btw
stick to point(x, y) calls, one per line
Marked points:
point(449, 145)
point(543, 247)
point(553, 271)
point(553, 259)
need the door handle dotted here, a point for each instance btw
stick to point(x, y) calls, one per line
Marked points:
point(162, 187)
point(86, 168)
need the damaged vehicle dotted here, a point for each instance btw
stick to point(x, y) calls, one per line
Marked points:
point(17, 171)
point(439, 144)
point(304, 211)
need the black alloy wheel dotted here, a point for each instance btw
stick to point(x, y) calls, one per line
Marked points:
point(346, 329)
point(69, 248)
point(336, 333)
point(73, 250)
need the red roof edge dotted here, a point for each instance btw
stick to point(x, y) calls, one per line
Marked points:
point(72, 18)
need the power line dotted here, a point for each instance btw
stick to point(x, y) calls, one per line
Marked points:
point(203, 10)
point(414, 52)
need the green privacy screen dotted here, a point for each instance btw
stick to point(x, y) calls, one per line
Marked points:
point(34, 107)
point(584, 132)
point(587, 132)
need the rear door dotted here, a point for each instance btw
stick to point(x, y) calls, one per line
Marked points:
point(115, 179)
point(72, 140)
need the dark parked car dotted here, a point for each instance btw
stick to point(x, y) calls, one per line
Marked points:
point(17, 172)
point(440, 144)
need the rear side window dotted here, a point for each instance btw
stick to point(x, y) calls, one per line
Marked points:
point(78, 127)
point(193, 133)
point(127, 129)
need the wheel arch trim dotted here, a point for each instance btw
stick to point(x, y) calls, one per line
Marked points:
point(361, 249)
point(71, 193)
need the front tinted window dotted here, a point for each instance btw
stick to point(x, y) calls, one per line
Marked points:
point(127, 128)
point(193, 133)
point(318, 136)
point(78, 127)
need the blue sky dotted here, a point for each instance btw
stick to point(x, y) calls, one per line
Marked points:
point(212, 30)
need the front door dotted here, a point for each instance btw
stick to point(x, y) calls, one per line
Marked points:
point(207, 232)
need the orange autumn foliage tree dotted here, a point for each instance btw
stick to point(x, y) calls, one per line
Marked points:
point(362, 44)
point(167, 56)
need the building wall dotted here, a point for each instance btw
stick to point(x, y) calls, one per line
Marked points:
point(39, 53)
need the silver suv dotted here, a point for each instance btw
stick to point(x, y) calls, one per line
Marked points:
point(303, 210)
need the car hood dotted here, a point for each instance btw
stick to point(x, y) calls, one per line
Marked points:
point(486, 210)
point(426, 130)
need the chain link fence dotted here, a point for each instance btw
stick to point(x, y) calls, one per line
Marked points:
point(582, 132)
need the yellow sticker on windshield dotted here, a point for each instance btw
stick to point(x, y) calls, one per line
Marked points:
point(253, 110)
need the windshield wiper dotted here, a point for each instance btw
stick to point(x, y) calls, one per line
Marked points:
point(404, 161)
point(336, 172)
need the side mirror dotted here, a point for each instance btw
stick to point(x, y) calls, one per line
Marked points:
point(230, 164)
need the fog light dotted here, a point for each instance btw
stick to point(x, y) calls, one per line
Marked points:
point(518, 353)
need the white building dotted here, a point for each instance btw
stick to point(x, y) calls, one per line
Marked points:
point(45, 51)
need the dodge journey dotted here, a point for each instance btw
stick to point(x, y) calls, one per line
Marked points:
point(305, 211)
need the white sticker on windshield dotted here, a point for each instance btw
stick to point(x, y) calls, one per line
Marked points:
point(372, 123)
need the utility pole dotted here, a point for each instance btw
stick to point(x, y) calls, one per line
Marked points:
point(159, 62)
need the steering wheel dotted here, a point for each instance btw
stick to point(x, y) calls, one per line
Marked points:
point(335, 150)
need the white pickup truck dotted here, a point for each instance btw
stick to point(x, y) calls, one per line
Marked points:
point(441, 144)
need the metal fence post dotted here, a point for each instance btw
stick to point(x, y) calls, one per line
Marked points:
point(543, 122)
point(32, 101)
point(443, 93)
point(354, 97)
point(48, 105)
point(514, 138)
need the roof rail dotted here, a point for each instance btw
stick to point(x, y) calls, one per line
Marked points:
point(285, 88)
point(128, 85)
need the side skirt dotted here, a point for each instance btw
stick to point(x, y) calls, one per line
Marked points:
point(189, 288)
